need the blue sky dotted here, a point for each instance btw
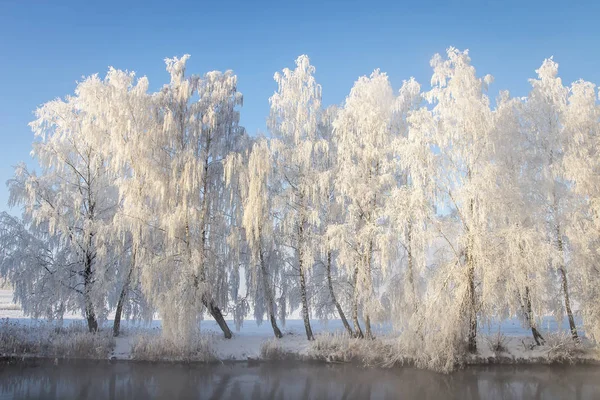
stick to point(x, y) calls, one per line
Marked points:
point(46, 46)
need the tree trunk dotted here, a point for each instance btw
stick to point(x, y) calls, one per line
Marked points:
point(472, 313)
point(207, 300)
point(276, 330)
point(530, 317)
point(303, 297)
point(562, 268)
point(369, 260)
point(90, 314)
point(369, 283)
point(123, 296)
point(216, 313)
point(305, 315)
point(537, 336)
point(526, 306)
point(357, 330)
point(411, 278)
point(471, 301)
point(334, 299)
point(119, 311)
point(268, 293)
point(565, 286)
point(368, 331)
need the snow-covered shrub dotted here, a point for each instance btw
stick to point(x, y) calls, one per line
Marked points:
point(71, 329)
point(563, 349)
point(497, 343)
point(272, 350)
point(45, 339)
point(82, 345)
point(153, 347)
point(436, 352)
point(342, 348)
point(332, 348)
point(17, 339)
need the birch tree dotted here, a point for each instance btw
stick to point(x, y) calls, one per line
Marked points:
point(581, 119)
point(463, 127)
point(257, 221)
point(298, 152)
point(40, 267)
point(74, 197)
point(364, 180)
point(516, 219)
point(332, 295)
point(546, 105)
point(411, 206)
point(197, 126)
point(121, 111)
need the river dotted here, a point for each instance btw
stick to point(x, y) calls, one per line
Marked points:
point(44, 379)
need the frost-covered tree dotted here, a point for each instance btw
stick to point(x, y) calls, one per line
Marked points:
point(74, 199)
point(463, 127)
point(411, 206)
point(365, 177)
point(332, 213)
point(545, 108)
point(582, 167)
point(427, 209)
point(122, 117)
point(196, 126)
point(256, 179)
point(38, 265)
point(298, 152)
point(516, 221)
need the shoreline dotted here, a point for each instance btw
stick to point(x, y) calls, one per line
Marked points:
point(23, 338)
point(308, 356)
point(503, 362)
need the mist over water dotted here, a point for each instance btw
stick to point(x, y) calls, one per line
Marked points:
point(42, 379)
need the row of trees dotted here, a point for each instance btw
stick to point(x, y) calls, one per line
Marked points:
point(432, 209)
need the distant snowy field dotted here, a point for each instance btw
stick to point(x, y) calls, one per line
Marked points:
point(247, 341)
point(7, 308)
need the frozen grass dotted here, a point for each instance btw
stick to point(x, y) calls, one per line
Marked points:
point(390, 351)
point(273, 350)
point(155, 347)
point(563, 349)
point(83, 345)
point(341, 348)
point(559, 348)
point(45, 339)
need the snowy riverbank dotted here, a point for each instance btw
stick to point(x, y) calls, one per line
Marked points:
point(503, 343)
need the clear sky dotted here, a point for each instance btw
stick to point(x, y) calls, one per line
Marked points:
point(46, 46)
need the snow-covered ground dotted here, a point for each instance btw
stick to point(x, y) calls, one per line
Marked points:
point(247, 341)
point(7, 308)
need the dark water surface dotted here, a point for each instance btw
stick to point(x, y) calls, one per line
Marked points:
point(42, 379)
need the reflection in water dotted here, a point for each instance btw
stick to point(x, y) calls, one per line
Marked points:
point(127, 380)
